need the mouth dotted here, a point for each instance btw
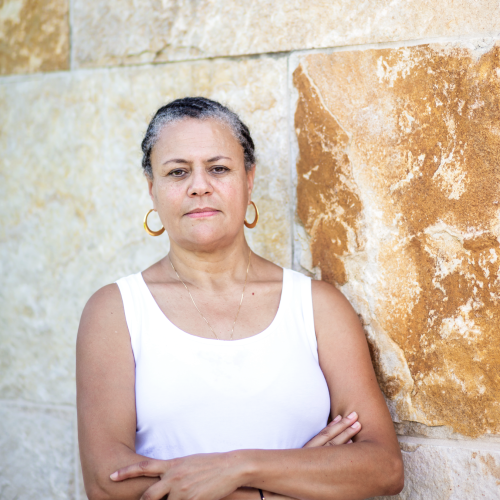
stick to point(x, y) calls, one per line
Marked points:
point(199, 213)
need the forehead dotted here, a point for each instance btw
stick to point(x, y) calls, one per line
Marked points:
point(190, 138)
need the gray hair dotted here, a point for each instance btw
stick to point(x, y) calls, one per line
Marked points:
point(199, 108)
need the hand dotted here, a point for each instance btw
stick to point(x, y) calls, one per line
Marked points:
point(213, 476)
point(209, 476)
point(338, 431)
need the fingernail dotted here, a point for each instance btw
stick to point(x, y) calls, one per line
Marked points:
point(114, 476)
point(335, 420)
point(355, 425)
point(352, 415)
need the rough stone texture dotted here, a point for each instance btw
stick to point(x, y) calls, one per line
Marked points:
point(131, 31)
point(409, 429)
point(72, 197)
point(36, 452)
point(448, 473)
point(34, 36)
point(399, 190)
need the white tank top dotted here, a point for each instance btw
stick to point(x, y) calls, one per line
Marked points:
point(198, 395)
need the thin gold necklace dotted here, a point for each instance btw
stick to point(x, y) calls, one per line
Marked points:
point(194, 303)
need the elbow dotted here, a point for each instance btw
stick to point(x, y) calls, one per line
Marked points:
point(394, 475)
point(96, 493)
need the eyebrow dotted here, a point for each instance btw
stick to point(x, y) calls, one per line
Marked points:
point(217, 158)
point(175, 160)
point(210, 160)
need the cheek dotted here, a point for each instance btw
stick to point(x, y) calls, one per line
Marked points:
point(169, 194)
point(235, 195)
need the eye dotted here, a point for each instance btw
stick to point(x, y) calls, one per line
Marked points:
point(219, 169)
point(178, 172)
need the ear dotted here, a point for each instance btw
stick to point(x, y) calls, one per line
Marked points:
point(250, 182)
point(150, 189)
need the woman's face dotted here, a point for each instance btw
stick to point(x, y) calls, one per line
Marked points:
point(200, 187)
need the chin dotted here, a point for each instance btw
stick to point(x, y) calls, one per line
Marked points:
point(207, 239)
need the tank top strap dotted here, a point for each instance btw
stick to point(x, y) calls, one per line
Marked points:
point(301, 307)
point(133, 305)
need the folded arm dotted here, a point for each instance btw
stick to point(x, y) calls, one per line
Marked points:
point(107, 422)
point(220, 475)
point(372, 465)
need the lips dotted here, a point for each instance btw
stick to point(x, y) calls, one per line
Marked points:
point(198, 213)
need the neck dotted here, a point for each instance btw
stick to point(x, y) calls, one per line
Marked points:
point(210, 270)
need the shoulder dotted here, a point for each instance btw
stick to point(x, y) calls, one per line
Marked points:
point(103, 340)
point(326, 296)
point(102, 312)
point(334, 315)
point(108, 299)
point(105, 300)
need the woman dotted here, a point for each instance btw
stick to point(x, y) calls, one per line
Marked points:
point(212, 373)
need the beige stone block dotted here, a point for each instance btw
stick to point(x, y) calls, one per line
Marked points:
point(398, 188)
point(407, 429)
point(73, 197)
point(444, 472)
point(36, 452)
point(131, 31)
point(34, 36)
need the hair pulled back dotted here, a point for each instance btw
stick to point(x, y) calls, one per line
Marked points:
point(199, 108)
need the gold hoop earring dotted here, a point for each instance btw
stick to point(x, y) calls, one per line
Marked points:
point(251, 225)
point(146, 227)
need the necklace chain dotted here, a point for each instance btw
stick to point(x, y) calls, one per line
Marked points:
point(194, 303)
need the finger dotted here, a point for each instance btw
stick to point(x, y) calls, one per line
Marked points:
point(338, 418)
point(149, 468)
point(328, 433)
point(157, 491)
point(345, 436)
point(324, 435)
point(333, 429)
point(350, 441)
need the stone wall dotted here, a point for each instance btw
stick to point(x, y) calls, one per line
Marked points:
point(377, 125)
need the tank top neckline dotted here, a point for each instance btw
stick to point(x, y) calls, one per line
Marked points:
point(253, 338)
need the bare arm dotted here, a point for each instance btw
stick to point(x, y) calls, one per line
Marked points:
point(106, 405)
point(371, 466)
point(105, 376)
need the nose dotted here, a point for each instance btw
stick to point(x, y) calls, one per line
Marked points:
point(200, 184)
